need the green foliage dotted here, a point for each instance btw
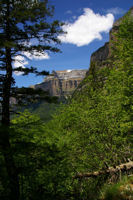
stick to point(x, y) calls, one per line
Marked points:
point(123, 190)
point(97, 124)
point(91, 133)
point(25, 22)
point(25, 29)
point(40, 159)
point(44, 109)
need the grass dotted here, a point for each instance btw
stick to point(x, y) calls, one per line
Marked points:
point(123, 190)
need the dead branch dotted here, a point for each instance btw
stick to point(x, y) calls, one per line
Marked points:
point(111, 170)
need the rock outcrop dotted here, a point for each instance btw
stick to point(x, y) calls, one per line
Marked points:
point(62, 83)
point(101, 56)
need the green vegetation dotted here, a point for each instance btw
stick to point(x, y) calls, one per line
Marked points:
point(44, 110)
point(42, 163)
point(25, 27)
point(123, 190)
point(92, 132)
point(97, 125)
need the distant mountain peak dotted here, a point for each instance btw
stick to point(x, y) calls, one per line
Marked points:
point(62, 83)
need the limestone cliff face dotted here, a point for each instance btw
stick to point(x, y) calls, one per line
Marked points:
point(62, 83)
point(102, 54)
point(102, 57)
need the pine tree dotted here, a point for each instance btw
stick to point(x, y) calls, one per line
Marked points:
point(24, 28)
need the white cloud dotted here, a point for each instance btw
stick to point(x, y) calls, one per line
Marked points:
point(19, 61)
point(23, 60)
point(116, 11)
point(87, 28)
point(36, 55)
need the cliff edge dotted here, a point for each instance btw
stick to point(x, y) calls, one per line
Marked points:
point(62, 83)
point(101, 56)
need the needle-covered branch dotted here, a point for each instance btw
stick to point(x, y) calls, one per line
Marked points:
point(25, 27)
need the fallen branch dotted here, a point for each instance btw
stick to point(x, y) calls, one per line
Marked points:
point(111, 170)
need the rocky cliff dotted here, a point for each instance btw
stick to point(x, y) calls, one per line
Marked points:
point(62, 83)
point(101, 56)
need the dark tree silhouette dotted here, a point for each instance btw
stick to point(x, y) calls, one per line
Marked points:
point(21, 23)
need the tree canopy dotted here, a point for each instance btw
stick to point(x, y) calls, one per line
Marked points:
point(25, 28)
point(92, 132)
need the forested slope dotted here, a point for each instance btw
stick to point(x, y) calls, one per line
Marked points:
point(97, 124)
point(91, 133)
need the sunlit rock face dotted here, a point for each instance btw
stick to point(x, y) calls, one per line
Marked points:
point(62, 83)
point(100, 56)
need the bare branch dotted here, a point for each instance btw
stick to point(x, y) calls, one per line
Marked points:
point(111, 170)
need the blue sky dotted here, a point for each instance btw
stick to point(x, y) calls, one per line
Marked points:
point(88, 25)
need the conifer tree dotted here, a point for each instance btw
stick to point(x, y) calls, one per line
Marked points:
point(24, 28)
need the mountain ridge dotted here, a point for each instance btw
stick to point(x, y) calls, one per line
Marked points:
point(61, 83)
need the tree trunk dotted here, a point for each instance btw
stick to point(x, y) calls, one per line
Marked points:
point(5, 126)
point(9, 165)
point(5, 139)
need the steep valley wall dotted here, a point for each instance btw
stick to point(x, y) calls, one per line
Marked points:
point(62, 83)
